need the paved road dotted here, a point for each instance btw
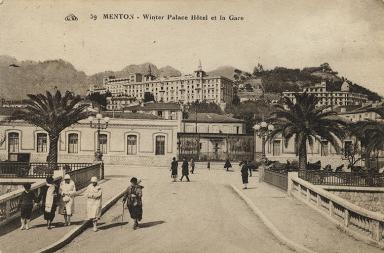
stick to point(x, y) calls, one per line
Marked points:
point(200, 216)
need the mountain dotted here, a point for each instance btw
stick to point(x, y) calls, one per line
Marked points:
point(18, 78)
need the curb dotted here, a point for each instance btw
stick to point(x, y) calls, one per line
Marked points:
point(67, 238)
point(289, 243)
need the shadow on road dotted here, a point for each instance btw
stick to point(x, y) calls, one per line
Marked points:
point(112, 225)
point(151, 224)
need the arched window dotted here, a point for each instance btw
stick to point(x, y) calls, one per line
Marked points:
point(131, 144)
point(73, 143)
point(41, 143)
point(160, 145)
point(103, 141)
point(13, 142)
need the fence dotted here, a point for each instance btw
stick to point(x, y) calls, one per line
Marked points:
point(357, 221)
point(278, 179)
point(36, 170)
point(10, 202)
point(342, 178)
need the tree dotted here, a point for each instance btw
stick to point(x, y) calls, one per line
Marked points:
point(204, 107)
point(148, 97)
point(99, 99)
point(306, 123)
point(53, 113)
point(236, 100)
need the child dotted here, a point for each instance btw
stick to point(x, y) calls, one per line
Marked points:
point(27, 200)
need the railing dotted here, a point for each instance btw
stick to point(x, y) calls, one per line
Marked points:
point(342, 178)
point(278, 179)
point(357, 221)
point(82, 176)
point(36, 170)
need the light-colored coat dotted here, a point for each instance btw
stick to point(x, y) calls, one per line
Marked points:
point(94, 198)
point(69, 190)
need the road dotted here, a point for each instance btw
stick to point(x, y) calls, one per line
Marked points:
point(203, 215)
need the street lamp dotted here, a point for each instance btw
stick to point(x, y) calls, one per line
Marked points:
point(263, 130)
point(99, 123)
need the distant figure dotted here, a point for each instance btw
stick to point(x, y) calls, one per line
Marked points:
point(94, 197)
point(67, 192)
point(174, 166)
point(209, 165)
point(244, 174)
point(184, 170)
point(49, 197)
point(133, 196)
point(227, 164)
point(192, 162)
point(27, 200)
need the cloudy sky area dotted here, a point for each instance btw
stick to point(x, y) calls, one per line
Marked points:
point(348, 34)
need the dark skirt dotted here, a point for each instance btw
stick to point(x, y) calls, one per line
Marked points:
point(26, 211)
point(49, 216)
point(136, 212)
point(174, 173)
point(245, 179)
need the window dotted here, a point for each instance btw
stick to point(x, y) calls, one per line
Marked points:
point(13, 142)
point(160, 145)
point(103, 140)
point(160, 113)
point(73, 143)
point(131, 144)
point(276, 147)
point(41, 143)
point(324, 148)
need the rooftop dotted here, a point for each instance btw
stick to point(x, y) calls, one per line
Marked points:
point(211, 118)
point(153, 106)
point(129, 115)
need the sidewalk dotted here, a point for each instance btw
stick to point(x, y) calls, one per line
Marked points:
point(39, 236)
point(300, 223)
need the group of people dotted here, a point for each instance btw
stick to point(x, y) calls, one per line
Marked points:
point(184, 169)
point(62, 196)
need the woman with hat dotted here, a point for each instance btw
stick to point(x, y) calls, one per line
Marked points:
point(67, 193)
point(94, 195)
point(49, 198)
point(133, 196)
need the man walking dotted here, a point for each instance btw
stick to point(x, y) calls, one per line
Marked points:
point(174, 166)
point(192, 165)
point(133, 197)
point(184, 170)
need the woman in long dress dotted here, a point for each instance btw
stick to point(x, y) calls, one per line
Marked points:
point(133, 197)
point(49, 200)
point(94, 198)
point(67, 193)
point(174, 166)
point(244, 174)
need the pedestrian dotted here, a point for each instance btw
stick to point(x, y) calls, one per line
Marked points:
point(94, 197)
point(209, 165)
point(244, 174)
point(184, 170)
point(192, 162)
point(174, 166)
point(67, 193)
point(227, 164)
point(27, 200)
point(133, 197)
point(49, 197)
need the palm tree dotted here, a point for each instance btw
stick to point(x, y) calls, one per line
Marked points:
point(306, 123)
point(53, 113)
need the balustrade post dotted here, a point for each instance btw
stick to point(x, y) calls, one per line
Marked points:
point(318, 200)
point(308, 195)
point(376, 230)
point(261, 173)
point(346, 217)
point(8, 208)
point(331, 208)
point(101, 171)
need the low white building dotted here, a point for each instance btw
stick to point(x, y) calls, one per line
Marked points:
point(130, 138)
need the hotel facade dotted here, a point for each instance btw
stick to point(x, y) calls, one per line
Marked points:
point(183, 89)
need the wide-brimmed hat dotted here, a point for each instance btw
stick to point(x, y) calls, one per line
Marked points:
point(67, 177)
point(93, 179)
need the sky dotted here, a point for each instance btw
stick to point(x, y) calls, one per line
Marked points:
point(348, 34)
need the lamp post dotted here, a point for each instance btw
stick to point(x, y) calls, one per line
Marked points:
point(99, 123)
point(262, 130)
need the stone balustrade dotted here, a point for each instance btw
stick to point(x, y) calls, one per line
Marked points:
point(358, 222)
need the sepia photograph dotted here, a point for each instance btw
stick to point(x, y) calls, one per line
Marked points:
point(190, 126)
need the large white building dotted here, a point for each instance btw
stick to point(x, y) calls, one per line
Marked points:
point(183, 89)
point(332, 98)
